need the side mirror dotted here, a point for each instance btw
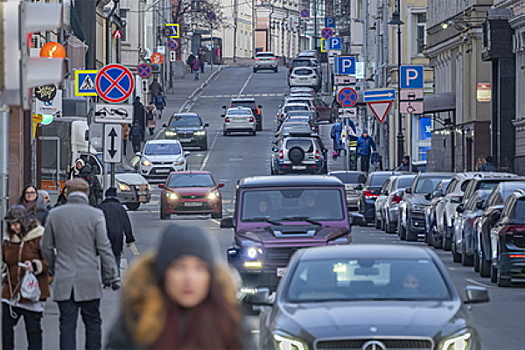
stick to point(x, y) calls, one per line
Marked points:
point(275, 149)
point(460, 208)
point(227, 222)
point(259, 106)
point(357, 219)
point(186, 154)
point(260, 297)
point(437, 193)
point(206, 125)
point(428, 196)
point(408, 190)
point(220, 185)
point(164, 125)
point(359, 187)
point(222, 116)
point(162, 186)
point(476, 294)
point(223, 107)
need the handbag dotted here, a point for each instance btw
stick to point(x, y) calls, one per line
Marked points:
point(29, 288)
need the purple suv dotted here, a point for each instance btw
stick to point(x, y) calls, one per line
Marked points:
point(277, 215)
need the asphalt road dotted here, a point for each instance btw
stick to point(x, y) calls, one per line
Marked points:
point(229, 158)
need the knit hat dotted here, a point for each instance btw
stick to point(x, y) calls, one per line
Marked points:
point(111, 192)
point(177, 242)
point(365, 131)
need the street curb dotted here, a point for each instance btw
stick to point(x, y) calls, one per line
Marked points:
point(200, 88)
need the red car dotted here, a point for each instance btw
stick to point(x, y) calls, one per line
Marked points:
point(191, 192)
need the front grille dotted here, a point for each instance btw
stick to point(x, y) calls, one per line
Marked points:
point(280, 256)
point(357, 344)
point(185, 135)
point(192, 197)
point(161, 163)
point(142, 188)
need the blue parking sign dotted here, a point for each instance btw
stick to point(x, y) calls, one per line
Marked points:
point(335, 43)
point(329, 22)
point(344, 65)
point(412, 77)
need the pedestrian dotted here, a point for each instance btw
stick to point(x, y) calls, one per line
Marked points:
point(180, 297)
point(335, 134)
point(201, 59)
point(138, 113)
point(45, 196)
point(125, 137)
point(155, 88)
point(160, 103)
point(151, 117)
point(118, 224)
point(196, 67)
point(75, 241)
point(62, 197)
point(406, 166)
point(365, 147)
point(35, 205)
point(84, 171)
point(21, 254)
point(488, 165)
point(190, 60)
point(137, 136)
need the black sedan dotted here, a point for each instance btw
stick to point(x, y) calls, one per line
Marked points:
point(188, 128)
point(367, 297)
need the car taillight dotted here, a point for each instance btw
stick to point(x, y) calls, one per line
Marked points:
point(227, 119)
point(272, 58)
point(292, 77)
point(396, 199)
point(317, 155)
point(368, 193)
point(252, 119)
point(257, 59)
point(281, 116)
point(281, 154)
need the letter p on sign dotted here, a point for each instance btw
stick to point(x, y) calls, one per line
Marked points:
point(412, 77)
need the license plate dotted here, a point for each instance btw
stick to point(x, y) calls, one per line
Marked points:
point(193, 204)
point(163, 171)
point(303, 78)
point(281, 271)
point(298, 167)
point(185, 140)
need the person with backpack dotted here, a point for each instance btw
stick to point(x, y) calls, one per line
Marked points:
point(151, 117)
point(160, 103)
point(137, 136)
point(190, 60)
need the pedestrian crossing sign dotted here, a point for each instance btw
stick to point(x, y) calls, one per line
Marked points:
point(85, 82)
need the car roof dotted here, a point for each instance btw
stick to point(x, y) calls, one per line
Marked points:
point(163, 141)
point(488, 176)
point(346, 172)
point(288, 181)
point(264, 53)
point(243, 99)
point(186, 114)
point(357, 251)
point(191, 172)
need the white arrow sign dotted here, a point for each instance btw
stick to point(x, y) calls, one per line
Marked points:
point(112, 143)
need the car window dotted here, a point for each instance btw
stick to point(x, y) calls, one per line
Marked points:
point(296, 108)
point(239, 112)
point(464, 185)
point(367, 279)
point(377, 180)
point(191, 180)
point(306, 145)
point(301, 63)
point(162, 149)
point(265, 55)
point(295, 204)
point(178, 122)
point(303, 72)
point(386, 186)
point(247, 104)
point(519, 211)
point(351, 178)
point(427, 184)
point(404, 182)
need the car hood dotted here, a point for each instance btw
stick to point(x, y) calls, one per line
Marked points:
point(292, 234)
point(371, 319)
point(184, 128)
point(197, 191)
point(131, 179)
point(164, 158)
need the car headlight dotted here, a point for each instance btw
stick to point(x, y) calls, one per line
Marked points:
point(123, 187)
point(149, 187)
point(171, 133)
point(214, 195)
point(199, 133)
point(282, 342)
point(462, 341)
point(253, 252)
point(146, 162)
point(178, 162)
point(172, 195)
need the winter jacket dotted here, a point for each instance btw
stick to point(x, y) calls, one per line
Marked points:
point(17, 249)
point(160, 102)
point(117, 224)
point(151, 123)
point(77, 231)
point(365, 145)
point(196, 65)
point(39, 211)
point(335, 134)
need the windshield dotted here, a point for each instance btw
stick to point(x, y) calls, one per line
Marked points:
point(265, 55)
point(351, 178)
point(367, 279)
point(378, 180)
point(296, 108)
point(302, 63)
point(162, 149)
point(191, 180)
point(303, 72)
point(239, 111)
point(428, 184)
point(122, 167)
point(247, 104)
point(293, 205)
point(404, 182)
point(184, 122)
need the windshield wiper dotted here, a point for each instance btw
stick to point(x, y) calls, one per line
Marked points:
point(262, 218)
point(302, 218)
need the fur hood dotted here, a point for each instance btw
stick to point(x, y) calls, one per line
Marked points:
point(34, 233)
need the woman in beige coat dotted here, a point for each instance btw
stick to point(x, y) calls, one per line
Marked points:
point(151, 117)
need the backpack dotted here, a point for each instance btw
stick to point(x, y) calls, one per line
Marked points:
point(135, 131)
point(159, 102)
point(149, 114)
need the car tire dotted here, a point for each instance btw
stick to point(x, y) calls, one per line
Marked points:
point(296, 155)
point(276, 70)
point(476, 262)
point(377, 223)
point(133, 206)
point(455, 256)
point(254, 133)
point(493, 273)
point(255, 70)
point(163, 215)
point(484, 265)
point(216, 215)
point(402, 232)
point(411, 236)
point(467, 260)
point(224, 133)
point(503, 281)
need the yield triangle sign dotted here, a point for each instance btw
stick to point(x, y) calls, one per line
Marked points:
point(380, 109)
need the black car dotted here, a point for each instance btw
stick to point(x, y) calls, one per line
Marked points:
point(367, 297)
point(508, 250)
point(189, 129)
point(296, 154)
point(412, 219)
point(248, 103)
point(370, 192)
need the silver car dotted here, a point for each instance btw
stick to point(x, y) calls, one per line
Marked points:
point(239, 119)
point(390, 210)
point(265, 60)
point(354, 182)
point(305, 76)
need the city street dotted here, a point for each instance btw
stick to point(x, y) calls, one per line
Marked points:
point(230, 158)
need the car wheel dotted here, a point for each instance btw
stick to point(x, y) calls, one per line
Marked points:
point(411, 236)
point(163, 215)
point(377, 223)
point(493, 273)
point(484, 265)
point(455, 256)
point(216, 215)
point(476, 261)
point(467, 260)
point(255, 70)
point(276, 70)
point(225, 133)
point(133, 206)
point(503, 281)
point(402, 232)
point(446, 243)
point(254, 133)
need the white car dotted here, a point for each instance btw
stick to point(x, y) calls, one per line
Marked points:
point(265, 60)
point(305, 76)
point(239, 119)
point(161, 157)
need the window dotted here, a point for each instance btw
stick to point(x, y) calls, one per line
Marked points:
point(124, 29)
point(421, 27)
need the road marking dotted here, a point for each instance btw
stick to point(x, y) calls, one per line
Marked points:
point(236, 159)
point(255, 331)
point(205, 161)
point(478, 283)
point(245, 85)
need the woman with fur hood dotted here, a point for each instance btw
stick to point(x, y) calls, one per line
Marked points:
point(21, 254)
point(182, 297)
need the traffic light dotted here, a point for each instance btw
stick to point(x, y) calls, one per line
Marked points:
point(22, 72)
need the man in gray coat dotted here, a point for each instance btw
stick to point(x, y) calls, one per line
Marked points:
point(74, 240)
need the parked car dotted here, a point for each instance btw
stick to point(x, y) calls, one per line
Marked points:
point(415, 201)
point(248, 103)
point(389, 211)
point(380, 201)
point(371, 189)
point(287, 108)
point(309, 116)
point(301, 62)
point(508, 243)
point(296, 154)
point(436, 199)
point(487, 220)
point(368, 297)
point(354, 182)
point(265, 61)
point(462, 247)
point(161, 157)
point(239, 119)
point(188, 128)
point(191, 192)
point(305, 76)
point(302, 90)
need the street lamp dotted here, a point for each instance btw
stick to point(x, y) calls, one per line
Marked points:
point(396, 21)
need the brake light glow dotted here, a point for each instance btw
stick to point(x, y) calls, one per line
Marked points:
point(281, 154)
point(227, 119)
point(368, 193)
point(252, 119)
point(396, 199)
point(517, 256)
point(257, 59)
point(317, 154)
